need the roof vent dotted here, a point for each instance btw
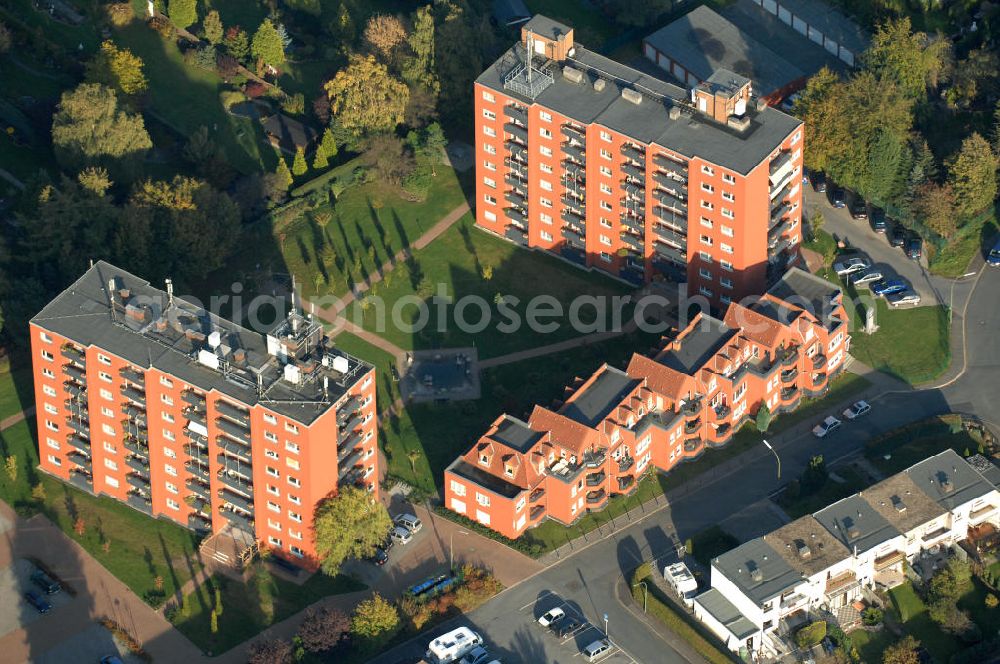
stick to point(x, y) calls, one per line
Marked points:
point(947, 486)
point(631, 95)
point(756, 575)
point(761, 104)
point(898, 503)
point(674, 112)
point(572, 74)
point(599, 84)
point(803, 550)
point(739, 122)
point(853, 532)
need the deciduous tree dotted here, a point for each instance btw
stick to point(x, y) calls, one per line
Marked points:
point(374, 618)
point(819, 106)
point(910, 59)
point(366, 98)
point(972, 174)
point(95, 180)
point(117, 68)
point(384, 33)
point(89, 129)
point(270, 652)
point(349, 525)
point(934, 205)
point(266, 45)
point(903, 651)
point(182, 13)
point(323, 629)
point(212, 27)
point(237, 43)
point(419, 68)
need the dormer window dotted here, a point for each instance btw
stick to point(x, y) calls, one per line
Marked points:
point(509, 470)
point(484, 459)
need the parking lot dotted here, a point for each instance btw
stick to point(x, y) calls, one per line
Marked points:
point(566, 639)
point(90, 645)
point(15, 612)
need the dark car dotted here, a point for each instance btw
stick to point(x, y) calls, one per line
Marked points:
point(819, 181)
point(379, 558)
point(877, 218)
point(914, 247)
point(838, 197)
point(45, 582)
point(897, 236)
point(859, 209)
point(37, 601)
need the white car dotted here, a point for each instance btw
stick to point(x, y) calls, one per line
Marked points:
point(825, 427)
point(410, 522)
point(903, 299)
point(551, 617)
point(401, 535)
point(857, 410)
point(597, 650)
point(867, 277)
point(851, 265)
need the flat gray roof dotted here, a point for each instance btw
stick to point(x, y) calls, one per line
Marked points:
point(986, 468)
point(856, 524)
point(759, 571)
point(720, 608)
point(830, 21)
point(497, 485)
point(546, 27)
point(692, 135)
point(698, 346)
point(148, 329)
point(703, 42)
point(949, 480)
point(599, 397)
point(515, 434)
point(803, 289)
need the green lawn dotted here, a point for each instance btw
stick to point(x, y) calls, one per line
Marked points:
point(823, 244)
point(910, 445)
point(454, 261)
point(975, 603)
point(388, 389)
point(70, 37)
point(953, 260)
point(916, 621)
point(187, 98)
point(307, 77)
point(247, 14)
point(871, 645)
point(15, 389)
point(163, 550)
point(248, 609)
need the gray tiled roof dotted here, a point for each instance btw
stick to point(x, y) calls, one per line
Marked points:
point(802, 289)
point(903, 505)
point(692, 135)
point(83, 314)
point(702, 42)
point(599, 397)
point(515, 434)
point(757, 570)
point(949, 480)
point(698, 346)
point(720, 608)
point(856, 524)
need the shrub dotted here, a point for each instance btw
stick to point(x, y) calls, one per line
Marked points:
point(120, 13)
point(811, 634)
point(203, 58)
point(294, 104)
point(230, 98)
point(871, 616)
point(163, 25)
point(992, 601)
point(227, 66)
point(532, 549)
point(254, 89)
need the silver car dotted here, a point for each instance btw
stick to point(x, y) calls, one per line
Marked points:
point(851, 265)
point(906, 298)
point(867, 277)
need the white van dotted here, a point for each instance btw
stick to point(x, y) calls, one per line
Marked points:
point(451, 646)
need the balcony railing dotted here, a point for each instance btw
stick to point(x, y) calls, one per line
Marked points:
point(692, 444)
point(692, 427)
point(789, 376)
point(138, 464)
point(234, 413)
point(237, 519)
point(233, 481)
point(625, 464)
point(136, 446)
point(595, 497)
point(516, 113)
point(199, 488)
point(574, 152)
point(842, 583)
point(536, 495)
point(138, 481)
point(75, 372)
point(74, 353)
point(669, 252)
point(691, 407)
point(636, 174)
point(537, 512)
point(671, 165)
point(625, 482)
point(569, 131)
point(82, 481)
point(199, 521)
point(233, 430)
point(935, 535)
point(349, 463)
point(517, 131)
point(232, 498)
point(353, 475)
point(79, 426)
point(788, 356)
point(233, 451)
point(722, 411)
point(634, 153)
point(81, 460)
point(141, 503)
point(134, 394)
point(596, 479)
point(790, 394)
point(888, 560)
point(132, 375)
point(818, 362)
point(196, 415)
point(192, 398)
point(515, 234)
point(79, 443)
point(633, 241)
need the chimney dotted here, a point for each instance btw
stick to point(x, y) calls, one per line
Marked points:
point(599, 85)
point(170, 292)
point(674, 112)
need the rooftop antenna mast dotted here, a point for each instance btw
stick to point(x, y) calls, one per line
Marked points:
point(530, 42)
point(170, 292)
point(111, 298)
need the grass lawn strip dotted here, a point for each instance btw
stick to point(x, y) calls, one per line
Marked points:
point(11, 382)
point(916, 621)
point(912, 444)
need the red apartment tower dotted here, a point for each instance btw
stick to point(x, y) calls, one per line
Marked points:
point(615, 169)
point(693, 394)
point(147, 398)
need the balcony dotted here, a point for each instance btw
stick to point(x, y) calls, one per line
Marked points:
point(133, 375)
point(596, 479)
point(779, 164)
point(789, 375)
point(670, 253)
point(515, 197)
point(199, 471)
point(625, 464)
point(780, 211)
point(673, 218)
point(133, 393)
point(625, 482)
point(722, 411)
point(196, 415)
point(537, 512)
point(138, 481)
point(517, 151)
point(75, 390)
point(81, 459)
point(199, 488)
point(141, 503)
point(237, 519)
point(234, 413)
point(349, 441)
point(536, 495)
point(75, 372)
point(571, 217)
point(635, 174)
point(790, 395)
point(842, 583)
point(632, 241)
point(595, 497)
point(82, 481)
point(516, 113)
point(235, 499)
point(349, 464)
point(818, 379)
point(232, 430)
point(818, 362)
point(78, 411)
point(517, 131)
point(348, 408)
point(78, 442)
point(515, 234)
point(692, 444)
point(352, 476)
point(984, 512)
point(576, 133)
point(235, 451)
point(136, 446)
point(793, 603)
point(634, 153)
point(138, 464)
point(670, 201)
point(575, 152)
point(929, 539)
point(79, 426)
point(192, 398)
point(233, 481)
point(576, 172)
point(888, 560)
point(691, 407)
point(199, 521)
point(73, 353)
point(692, 427)
point(515, 179)
point(787, 356)
point(669, 165)
point(775, 233)
point(196, 439)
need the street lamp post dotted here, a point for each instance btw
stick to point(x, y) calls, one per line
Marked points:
point(606, 635)
point(775, 453)
point(645, 593)
point(451, 548)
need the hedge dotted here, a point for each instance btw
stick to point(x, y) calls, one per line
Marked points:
point(343, 174)
point(532, 550)
point(662, 608)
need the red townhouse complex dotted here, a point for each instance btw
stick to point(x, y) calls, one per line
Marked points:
point(693, 394)
point(615, 169)
point(149, 399)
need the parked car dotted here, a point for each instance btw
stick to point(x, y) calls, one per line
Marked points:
point(857, 410)
point(551, 617)
point(379, 558)
point(477, 655)
point(897, 236)
point(401, 535)
point(877, 218)
point(45, 582)
point(914, 247)
point(567, 626)
point(888, 287)
point(788, 103)
point(596, 650)
point(993, 258)
point(410, 522)
point(111, 659)
point(851, 265)
point(866, 278)
point(40, 603)
point(838, 197)
point(826, 427)
point(819, 182)
point(858, 208)
point(903, 299)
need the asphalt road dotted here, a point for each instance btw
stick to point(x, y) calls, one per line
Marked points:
point(591, 580)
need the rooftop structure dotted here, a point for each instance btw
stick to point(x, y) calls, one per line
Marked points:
point(807, 546)
point(759, 571)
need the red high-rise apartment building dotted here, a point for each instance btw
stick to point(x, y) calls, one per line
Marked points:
point(615, 169)
point(693, 394)
point(149, 399)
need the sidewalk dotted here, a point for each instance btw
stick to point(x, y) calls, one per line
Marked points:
point(16, 417)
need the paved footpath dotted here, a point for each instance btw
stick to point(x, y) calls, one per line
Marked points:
point(16, 417)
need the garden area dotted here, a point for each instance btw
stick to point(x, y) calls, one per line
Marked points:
point(819, 487)
point(896, 450)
